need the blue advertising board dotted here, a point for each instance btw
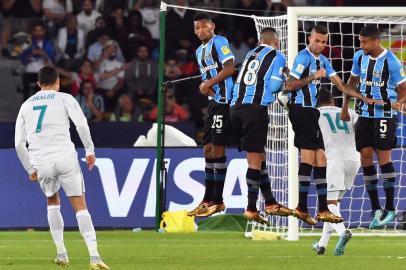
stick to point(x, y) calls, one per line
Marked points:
point(120, 191)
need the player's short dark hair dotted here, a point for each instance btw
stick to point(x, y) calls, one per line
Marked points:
point(320, 29)
point(370, 31)
point(269, 30)
point(47, 75)
point(324, 96)
point(202, 16)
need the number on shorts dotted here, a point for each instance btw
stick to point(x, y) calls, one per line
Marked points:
point(217, 121)
point(383, 126)
point(339, 124)
point(41, 116)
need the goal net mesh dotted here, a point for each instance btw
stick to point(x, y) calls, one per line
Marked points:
point(343, 43)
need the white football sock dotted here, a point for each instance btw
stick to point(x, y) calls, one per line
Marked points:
point(56, 225)
point(338, 227)
point(325, 237)
point(87, 231)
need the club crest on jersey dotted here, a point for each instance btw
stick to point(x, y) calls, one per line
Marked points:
point(377, 74)
point(207, 56)
point(225, 50)
point(299, 68)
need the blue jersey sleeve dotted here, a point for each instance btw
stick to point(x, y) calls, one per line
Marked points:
point(327, 66)
point(396, 70)
point(277, 72)
point(356, 69)
point(299, 65)
point(223, 49)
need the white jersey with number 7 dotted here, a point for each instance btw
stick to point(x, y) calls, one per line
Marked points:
point(43, 122)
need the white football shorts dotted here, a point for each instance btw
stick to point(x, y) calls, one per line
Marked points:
point(64, 172)
point(341, 174)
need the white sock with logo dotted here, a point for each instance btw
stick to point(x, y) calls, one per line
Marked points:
point(325, 237)
point(87, 231)
point(56, 226)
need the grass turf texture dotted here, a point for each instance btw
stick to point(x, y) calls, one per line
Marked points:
point(203, 250)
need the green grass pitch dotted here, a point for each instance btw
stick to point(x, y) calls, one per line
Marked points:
point(126, 250)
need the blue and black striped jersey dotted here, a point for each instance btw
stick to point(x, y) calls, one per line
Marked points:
point(260, 77)
point(307, 63)
point(211, 57)
point(378, 78)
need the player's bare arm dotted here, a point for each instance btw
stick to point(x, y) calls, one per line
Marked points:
point(401, 91)
point(227, 71)
point(351, 91)
point(293, 84)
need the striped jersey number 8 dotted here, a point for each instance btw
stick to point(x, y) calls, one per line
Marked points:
point(251, 75)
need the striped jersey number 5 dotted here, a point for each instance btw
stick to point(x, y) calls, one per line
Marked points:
point(339, 124)
point(251, 75)
point(41, 116)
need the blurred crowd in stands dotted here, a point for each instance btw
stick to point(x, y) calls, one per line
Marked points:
point(107, 50)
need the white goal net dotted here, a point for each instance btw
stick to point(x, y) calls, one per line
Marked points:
point(343, 43)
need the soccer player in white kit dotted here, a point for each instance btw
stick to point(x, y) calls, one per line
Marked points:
point(51, 159)
point(343, 163)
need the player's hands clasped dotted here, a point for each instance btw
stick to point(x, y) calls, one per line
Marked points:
point(34, 176)
point(321, 73)
point(205, 89)
point(374, 101)
point(90, 160)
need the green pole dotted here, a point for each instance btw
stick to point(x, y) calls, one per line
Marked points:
point(162, 28)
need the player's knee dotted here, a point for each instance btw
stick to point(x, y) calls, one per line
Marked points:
point(54, 200)
point(207, 151)
point(384, 157)
point(218, 151)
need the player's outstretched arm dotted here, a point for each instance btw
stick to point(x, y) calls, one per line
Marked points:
point(227, 71)
point(349, 90)
point(78, 118)
point(352, 83)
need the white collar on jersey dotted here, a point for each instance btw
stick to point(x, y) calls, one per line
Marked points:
point(379, 56)
point(266, 45)
point(204, 45)
point(307, 48)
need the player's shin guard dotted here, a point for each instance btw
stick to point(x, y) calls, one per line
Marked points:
point(253, 177)
point(389, 175)
point(220, 171)
point(209, 180)
point(321, 186)
point(56, 226)
point(87, 231)
point(305, 171)
point(265, 185)
point(371, 185)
